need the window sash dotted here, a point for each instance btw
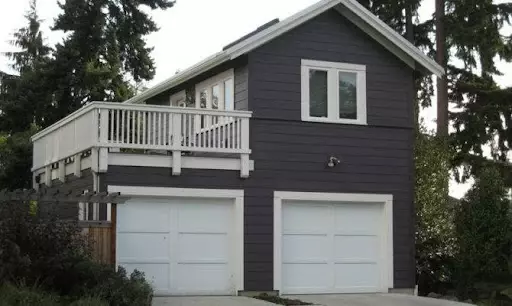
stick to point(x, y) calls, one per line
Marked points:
point(333, 95)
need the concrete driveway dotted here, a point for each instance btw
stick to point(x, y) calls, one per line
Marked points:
point(208, 301)
point(373, 299)
point(324, 300)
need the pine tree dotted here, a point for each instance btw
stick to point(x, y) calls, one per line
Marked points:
point(104, 53)
point(25, 97)
point(483, 227)
point(23, 101)
point(485, 110)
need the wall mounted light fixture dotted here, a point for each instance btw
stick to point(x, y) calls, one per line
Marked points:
point(333, 162)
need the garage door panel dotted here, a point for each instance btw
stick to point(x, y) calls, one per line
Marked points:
point(305, 248)
point(153, 274)
point(203, 278)
point(331, 247)
point(143, 216)
point(183, 246)
point(191, 247)
point(208, 217)
point(363, 276)
point(363, 248)
point(305, 277)
point(143, 246)
point(357, 218)
point(305, 218)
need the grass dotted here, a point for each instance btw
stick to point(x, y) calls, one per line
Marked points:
point(280, 300)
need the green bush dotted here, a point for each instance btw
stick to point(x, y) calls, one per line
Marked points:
point(113, 286)
point(484, 227)
point(13, 296)
point(38, 249)
point(89, 302)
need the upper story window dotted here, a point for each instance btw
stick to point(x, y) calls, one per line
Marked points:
point(217, 92)
point(333, 92)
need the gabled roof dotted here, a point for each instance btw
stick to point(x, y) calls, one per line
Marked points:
point(351, 9)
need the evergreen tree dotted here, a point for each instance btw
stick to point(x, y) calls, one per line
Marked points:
point(23, 98)
point(484, 111)
point(104, 51)
point(483, 227)
point(23, 101)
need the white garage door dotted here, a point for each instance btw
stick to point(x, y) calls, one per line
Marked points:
point(182, 245)
point(331, 247)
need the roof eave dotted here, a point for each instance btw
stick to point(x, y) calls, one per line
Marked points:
point(205, 65)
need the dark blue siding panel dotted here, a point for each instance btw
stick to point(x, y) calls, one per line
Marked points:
point(291, 155)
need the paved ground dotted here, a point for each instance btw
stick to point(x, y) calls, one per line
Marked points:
point(374, 299)
point(324, 300)
point(209, 301)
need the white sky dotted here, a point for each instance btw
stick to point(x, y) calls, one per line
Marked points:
point(193, 30)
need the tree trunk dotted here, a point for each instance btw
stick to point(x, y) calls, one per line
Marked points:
point(442, 84)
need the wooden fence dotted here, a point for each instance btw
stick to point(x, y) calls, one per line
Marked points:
point(100, 237)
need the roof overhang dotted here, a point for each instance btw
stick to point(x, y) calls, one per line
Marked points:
point(351, 9)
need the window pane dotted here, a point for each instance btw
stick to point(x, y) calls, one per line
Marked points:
point(348, 95)
point(202, 98)
point(215, 96)
point(229, 94)
point(202, 104)
point(318, 93)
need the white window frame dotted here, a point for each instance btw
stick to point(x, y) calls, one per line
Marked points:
point(208, 84)
point(333, 100)
point(175, 98)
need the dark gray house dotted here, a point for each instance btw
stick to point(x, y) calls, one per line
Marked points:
point(282, 163)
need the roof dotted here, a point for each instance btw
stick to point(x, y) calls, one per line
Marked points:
point(351, 9)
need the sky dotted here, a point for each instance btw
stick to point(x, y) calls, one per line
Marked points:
point(195, 29)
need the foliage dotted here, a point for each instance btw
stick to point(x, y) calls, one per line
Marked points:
point(484, 110)
point(13, 296)
point(41, 250)
point(24, 98)
point(484, 228)
point(23, 296)
point(16, 160)
point(104, 51)
point(435, 237)
point(279, 300)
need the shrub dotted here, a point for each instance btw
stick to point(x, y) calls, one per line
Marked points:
point(484, 226)
point(13, 296)
point(89, 302)
point(39, 249)
point(112, 286)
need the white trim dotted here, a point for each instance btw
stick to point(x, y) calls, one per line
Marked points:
point(386, 260)
point(333, 65)
point(182, 95)
point(236, 195)
point(394, 37)
point(188, 162)
point(247, 45)
point(176, 192)
point(333, 94)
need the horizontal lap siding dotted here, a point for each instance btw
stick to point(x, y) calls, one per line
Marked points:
point(291, 155)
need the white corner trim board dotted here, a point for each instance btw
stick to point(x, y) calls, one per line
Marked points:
point(386, 228)
point(259, 39)
point(238, 201)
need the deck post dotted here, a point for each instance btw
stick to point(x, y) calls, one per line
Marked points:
point(176, 144)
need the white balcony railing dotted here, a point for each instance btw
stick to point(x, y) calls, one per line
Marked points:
point(101, 126)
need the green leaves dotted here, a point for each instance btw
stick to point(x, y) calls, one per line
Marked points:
point(484, 232)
